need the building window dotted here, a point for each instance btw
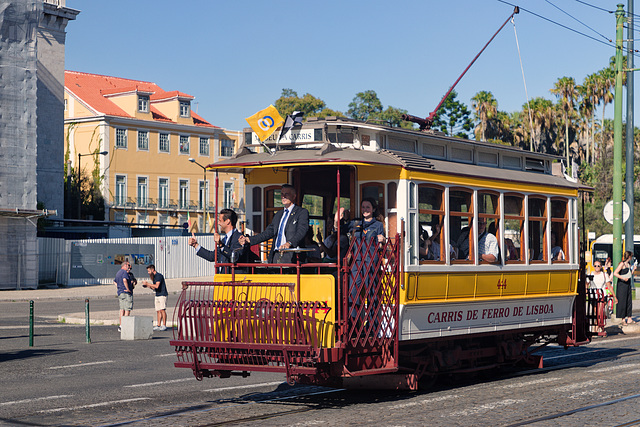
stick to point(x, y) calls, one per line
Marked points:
point(226, 148)
point(143, 191)
point(185, 107)
point(228, 195)
point(163, 219)
point(143, 218)
point(184, 144)
point(203, 194)
point(65, 104)
point(163, 192)
point(121, 138)
point(120, 217)
point(184, 194)
point(163, 143)
point(121, 190)
point(143, 140)
point(143, 103)
point(204, 146)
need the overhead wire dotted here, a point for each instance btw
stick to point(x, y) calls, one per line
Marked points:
point(607, 43)
point(579, 21)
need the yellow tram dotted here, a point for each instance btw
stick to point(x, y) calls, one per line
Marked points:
point(435, 303)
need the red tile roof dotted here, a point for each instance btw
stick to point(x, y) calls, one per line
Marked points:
point(94, 91)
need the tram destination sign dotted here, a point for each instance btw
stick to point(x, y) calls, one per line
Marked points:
point(293, 136)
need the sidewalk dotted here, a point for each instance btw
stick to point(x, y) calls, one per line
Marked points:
point(109, 317)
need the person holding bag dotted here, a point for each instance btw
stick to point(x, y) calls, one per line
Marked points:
point(624, 273)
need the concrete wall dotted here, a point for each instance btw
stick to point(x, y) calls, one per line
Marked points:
point(31, 127)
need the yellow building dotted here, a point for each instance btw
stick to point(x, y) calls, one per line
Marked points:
point(150, 149)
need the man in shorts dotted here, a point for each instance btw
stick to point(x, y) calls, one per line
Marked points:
point(158, 284)
point(125, 290)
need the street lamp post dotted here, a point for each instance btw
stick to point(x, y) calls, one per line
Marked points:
point(204, 201)
point(102, 153)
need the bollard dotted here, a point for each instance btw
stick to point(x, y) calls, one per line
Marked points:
point(31, 323)
point(87, 327)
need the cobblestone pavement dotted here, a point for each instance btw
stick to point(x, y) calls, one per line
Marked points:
point(605, 371)
point(63, 381)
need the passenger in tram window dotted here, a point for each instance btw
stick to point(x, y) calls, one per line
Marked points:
point(557, 254)
point(309, 243)
point(425, 243)
point(512, 251)
point(369, 237)
point(487, 243)
point(329, 245)
point(288, 228)
point(462, 244)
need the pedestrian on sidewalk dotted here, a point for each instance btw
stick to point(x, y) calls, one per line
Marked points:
point(624, 273)
point(124, 290)
point(160, 287)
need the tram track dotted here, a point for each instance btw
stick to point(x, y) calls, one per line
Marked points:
point(559, 415)
point(305, 392)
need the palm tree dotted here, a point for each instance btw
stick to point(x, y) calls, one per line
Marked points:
point(565, 89)
point(588, 102)
point(605, 81)
point(542, 114)
point(486, 108)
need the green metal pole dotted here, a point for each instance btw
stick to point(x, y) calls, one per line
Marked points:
point(31, 323)
point(617, 147)
point(629, 139)
point(87, 328)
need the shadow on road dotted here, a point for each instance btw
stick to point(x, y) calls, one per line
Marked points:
point(26, 354)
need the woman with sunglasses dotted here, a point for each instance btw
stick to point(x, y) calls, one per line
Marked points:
point(600, 280)
point(624, 273)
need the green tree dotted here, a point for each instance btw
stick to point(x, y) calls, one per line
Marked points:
point(605, 82)
point(486, 107)
point(542, 116)
point(289, 102)
point(392, 116)
point(453, 117)
point(565, 89)
point(365, 105)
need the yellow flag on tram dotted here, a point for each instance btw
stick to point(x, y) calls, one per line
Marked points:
point(265, 122)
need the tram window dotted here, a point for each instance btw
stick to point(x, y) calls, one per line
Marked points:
point(460, 219)
point(513, 228)
point(392, 192)
point(537, 211)
point(430, 218)
point(489, 214)
point(257, 199)
point(314, 204)
point(559, 226)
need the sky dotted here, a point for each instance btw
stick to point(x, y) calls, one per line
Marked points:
point(235, 57)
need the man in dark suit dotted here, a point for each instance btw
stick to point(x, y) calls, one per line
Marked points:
point(288, 228)
point(227, 243)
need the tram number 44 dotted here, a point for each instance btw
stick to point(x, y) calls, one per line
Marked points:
point(502, 283)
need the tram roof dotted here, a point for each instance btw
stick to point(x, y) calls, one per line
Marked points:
point(328, 154)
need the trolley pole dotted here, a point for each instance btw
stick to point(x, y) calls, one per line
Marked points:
point(31, 323)
point(617, 146)
point(87, 327)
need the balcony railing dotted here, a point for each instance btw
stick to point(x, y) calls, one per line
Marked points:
point(170, 205)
